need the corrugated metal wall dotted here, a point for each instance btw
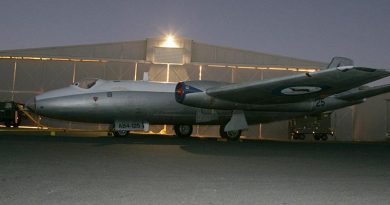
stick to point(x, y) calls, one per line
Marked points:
point(216, 54)
point(132, 50)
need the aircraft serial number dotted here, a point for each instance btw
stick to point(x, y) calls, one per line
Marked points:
point(129, 125)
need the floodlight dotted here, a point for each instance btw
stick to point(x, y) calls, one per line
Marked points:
point(170, 42)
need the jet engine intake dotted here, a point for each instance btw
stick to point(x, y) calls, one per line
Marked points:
point(193, 94)
point(182, 89)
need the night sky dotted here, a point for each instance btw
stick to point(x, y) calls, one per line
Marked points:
point(315, 30)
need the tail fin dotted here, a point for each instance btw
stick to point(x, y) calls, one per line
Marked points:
point(340, 61)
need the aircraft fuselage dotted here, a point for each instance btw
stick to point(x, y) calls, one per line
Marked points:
point(151, 102)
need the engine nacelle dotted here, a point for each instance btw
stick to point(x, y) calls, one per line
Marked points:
point(193, 93)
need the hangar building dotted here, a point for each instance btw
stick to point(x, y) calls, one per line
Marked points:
point(27, 72)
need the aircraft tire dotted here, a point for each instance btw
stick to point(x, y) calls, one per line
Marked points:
point(120, 133)
point(230, 135)
point(317, 137)
point(183, 131)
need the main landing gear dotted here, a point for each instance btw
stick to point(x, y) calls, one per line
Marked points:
point(185, 131)
point(233, 135)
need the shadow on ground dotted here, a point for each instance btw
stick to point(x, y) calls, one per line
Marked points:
point(212, 146)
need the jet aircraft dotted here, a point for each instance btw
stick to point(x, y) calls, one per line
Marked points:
point(134, 105)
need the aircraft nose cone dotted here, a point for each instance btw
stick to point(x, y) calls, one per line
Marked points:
point(31, 104)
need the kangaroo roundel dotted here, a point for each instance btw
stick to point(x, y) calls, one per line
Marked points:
point(300, 90)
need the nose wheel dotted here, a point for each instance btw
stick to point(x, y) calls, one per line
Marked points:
point(183, 130)
point(120, 133)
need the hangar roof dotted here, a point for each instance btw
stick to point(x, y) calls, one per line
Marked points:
point(218, 54)
point(138, 51)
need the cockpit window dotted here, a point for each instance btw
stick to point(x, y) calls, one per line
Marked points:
point(86, 83)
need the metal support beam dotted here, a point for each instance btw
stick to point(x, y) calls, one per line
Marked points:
point(13, 82)
point(135, 71)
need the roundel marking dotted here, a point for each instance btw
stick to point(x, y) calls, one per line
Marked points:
point(300, 90)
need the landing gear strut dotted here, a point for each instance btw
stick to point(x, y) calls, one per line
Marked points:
point(183, 130)
point(233, 135)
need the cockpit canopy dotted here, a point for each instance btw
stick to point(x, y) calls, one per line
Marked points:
point(86, 83)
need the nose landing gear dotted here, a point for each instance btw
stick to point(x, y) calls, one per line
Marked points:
point(121, 133)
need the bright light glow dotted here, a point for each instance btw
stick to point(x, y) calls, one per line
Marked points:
point(170, 42)
point(200, 72)
point(292, 69)
point(276, 68)
point(310, 70)
point(246, 67)
point(51, 59)
point(31, 58)
point(60, 59)
point(24, 127)
point(217, 66)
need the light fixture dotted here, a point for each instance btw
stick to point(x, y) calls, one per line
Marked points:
point(170, 42)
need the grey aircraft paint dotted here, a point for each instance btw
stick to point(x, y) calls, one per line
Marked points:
point(233, 106)
point(129, 100)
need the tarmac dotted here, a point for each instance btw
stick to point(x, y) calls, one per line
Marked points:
point(37, 168)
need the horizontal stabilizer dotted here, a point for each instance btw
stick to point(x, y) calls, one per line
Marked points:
point(364, 92)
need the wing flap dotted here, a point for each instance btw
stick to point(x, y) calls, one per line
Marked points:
point(299, 87)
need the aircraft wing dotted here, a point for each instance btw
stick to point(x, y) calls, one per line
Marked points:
point(299, 87)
